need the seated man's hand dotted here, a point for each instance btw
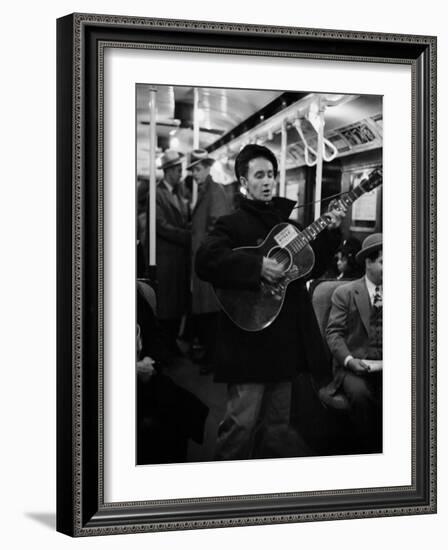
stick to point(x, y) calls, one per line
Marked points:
point(271, 270)
point(358, 366)
point(145, 368)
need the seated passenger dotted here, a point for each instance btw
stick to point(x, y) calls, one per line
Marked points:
point(155, 343)
point(355, 338)
point(167, 414)
point(346, 264)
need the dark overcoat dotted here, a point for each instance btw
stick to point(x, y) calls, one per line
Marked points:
point(293, 342)
point(173, 249)
point(212, 203)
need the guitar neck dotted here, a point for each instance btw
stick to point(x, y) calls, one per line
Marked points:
point(313, 230)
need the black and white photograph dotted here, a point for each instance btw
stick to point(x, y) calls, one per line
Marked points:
point(259, 270)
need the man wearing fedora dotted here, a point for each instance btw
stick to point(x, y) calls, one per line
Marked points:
point(212, 203)
point(172, 248)
point(355, 337)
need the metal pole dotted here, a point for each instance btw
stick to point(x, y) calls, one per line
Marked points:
point(196, 119)
point(320, 149)
point(152, 177)
point(194, 197)
point(284, 135)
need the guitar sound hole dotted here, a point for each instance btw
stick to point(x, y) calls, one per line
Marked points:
point(282, 256)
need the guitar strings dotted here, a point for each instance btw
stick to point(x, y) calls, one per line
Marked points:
point(279, 256)
point(321, 200)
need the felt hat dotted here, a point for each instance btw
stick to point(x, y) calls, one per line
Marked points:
point(170, 158)
point(200, 155)
point(370, 244)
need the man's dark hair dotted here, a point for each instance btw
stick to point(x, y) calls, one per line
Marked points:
point(373, 256)
point(250, 152)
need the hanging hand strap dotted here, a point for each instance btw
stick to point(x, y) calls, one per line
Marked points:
point(306, 147)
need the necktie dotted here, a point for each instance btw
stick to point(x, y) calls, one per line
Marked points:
point(377, 298)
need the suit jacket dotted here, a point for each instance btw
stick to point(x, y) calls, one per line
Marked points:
point(212, 203)
point(172, 253)
point(348, 324)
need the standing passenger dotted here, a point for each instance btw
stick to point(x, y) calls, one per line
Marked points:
point(212, 203)
point(258, 367)
point(172, 248)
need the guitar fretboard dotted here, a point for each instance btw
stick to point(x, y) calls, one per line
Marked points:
point(312, 231)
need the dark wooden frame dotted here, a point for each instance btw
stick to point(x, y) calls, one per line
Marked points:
point(81, 510)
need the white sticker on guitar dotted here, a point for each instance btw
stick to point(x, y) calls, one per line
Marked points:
point(285, 236)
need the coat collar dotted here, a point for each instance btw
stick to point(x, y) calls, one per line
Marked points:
point(178, 206)
point(202, 190)
point(278, 205)
point(167, 185)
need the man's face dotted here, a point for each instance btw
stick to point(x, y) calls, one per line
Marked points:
point(374, 270)
point(260, 180)
point(173, 174)
point(200, 172)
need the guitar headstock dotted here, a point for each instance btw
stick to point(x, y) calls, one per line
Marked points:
point(374, 179)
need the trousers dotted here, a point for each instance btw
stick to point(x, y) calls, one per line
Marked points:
point(256, 421)
point(365, 396)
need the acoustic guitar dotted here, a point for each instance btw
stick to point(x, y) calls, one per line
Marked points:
point(256, 309)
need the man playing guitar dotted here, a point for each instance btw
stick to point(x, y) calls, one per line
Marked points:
point(259, 361)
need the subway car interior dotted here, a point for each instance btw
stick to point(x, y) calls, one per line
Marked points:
point(325, 145)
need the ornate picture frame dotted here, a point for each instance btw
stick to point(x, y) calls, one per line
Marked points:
point(81, 506)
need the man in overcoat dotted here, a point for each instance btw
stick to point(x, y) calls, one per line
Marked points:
point(258, 367)
point(212, 203)
point(173, 247)
point(355, 337)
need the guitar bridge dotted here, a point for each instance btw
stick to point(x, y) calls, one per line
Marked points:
point(275, 291)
